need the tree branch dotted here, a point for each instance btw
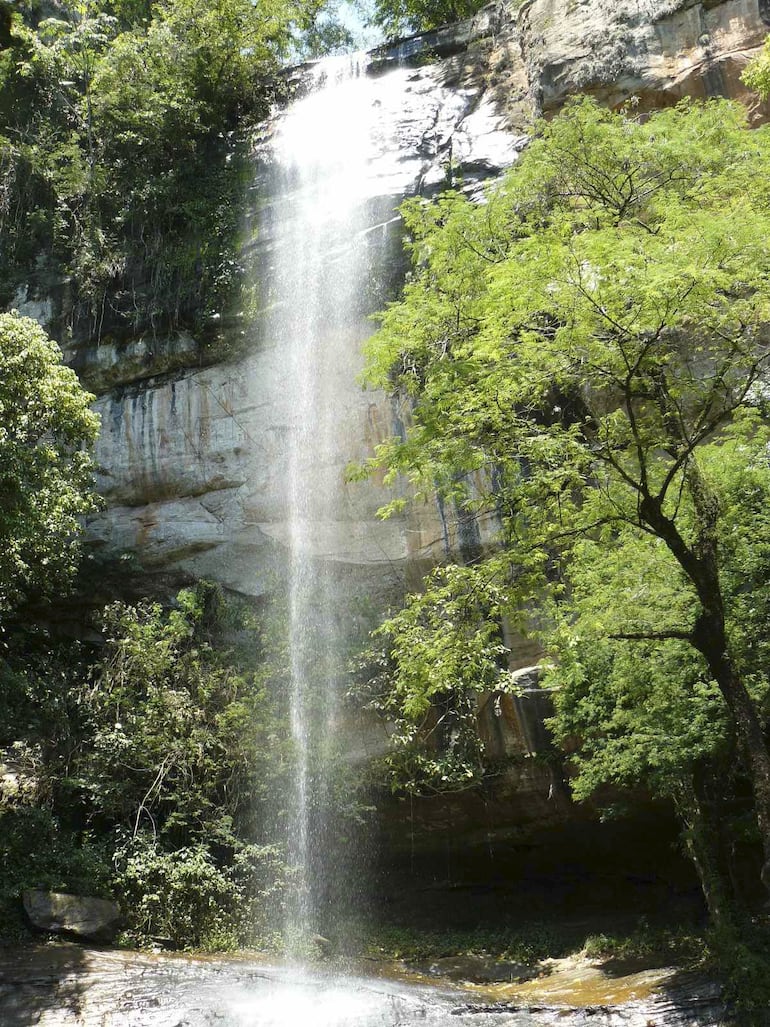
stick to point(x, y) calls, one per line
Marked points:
point(652, 636)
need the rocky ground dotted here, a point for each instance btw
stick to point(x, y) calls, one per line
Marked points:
point(66, 985)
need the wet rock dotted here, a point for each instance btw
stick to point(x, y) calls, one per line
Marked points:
point(478, 969)
point(84, 916)
point(67, 985)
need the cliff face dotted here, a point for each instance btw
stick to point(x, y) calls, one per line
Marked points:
point(193, 448)
point(192, 459)
point(190, 455)
point(655, 50)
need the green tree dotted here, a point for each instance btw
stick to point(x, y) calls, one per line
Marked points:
point(403, 17)
point(591, 344)
point(46, 472)
point(757, 74)
point(124, 151)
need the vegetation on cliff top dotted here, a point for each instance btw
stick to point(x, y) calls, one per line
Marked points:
point(123, 151)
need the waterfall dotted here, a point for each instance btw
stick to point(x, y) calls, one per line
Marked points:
point(340, 159)
point(320, 224)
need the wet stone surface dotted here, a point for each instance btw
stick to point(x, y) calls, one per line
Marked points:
point(68, 986)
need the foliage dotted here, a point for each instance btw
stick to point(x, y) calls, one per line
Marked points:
point(182, 760)
point(190, 899)
point(123, 151)
point(525, 943)
point(423, 673)
point(45, 467)
point(757, 74)
point(588, 345)
point(648, 710)
point(166, 743)
point(532, 942)
point(402, 17)
point(177, 734)
point(681, 946)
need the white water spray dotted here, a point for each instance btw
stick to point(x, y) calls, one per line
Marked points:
point(341, 159)
point(322, 152)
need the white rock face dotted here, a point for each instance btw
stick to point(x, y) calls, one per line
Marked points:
point(28, 306)
point(657, 50)
point(192, 471)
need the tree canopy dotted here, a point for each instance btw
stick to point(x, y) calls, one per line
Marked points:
point(583, 356)
point(46, 430)
point(402, 17)
point(124, 150)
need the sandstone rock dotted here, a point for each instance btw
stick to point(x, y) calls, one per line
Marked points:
point(193, 464)
point(107, 362)
point(39, 309)
point(655, 50)
point(69, 986)
point(443, 41)
point(86, 917)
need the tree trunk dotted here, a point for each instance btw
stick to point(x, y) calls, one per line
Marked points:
point(750, 735)
point(700, 563)
point(703, 850)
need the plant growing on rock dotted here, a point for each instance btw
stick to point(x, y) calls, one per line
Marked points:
point(124, 151)
point(757, 74)
point(591, 343)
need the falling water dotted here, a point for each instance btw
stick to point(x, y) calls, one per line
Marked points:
point(320, 222)
point(341, 159)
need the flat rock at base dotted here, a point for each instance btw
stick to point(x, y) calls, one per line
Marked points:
point(480, 969)
point(81, 915)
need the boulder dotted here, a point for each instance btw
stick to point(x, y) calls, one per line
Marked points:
point(84, 916)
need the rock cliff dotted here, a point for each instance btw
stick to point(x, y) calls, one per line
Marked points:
point(189, 455)
point(657, 51)
point(192, 458)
